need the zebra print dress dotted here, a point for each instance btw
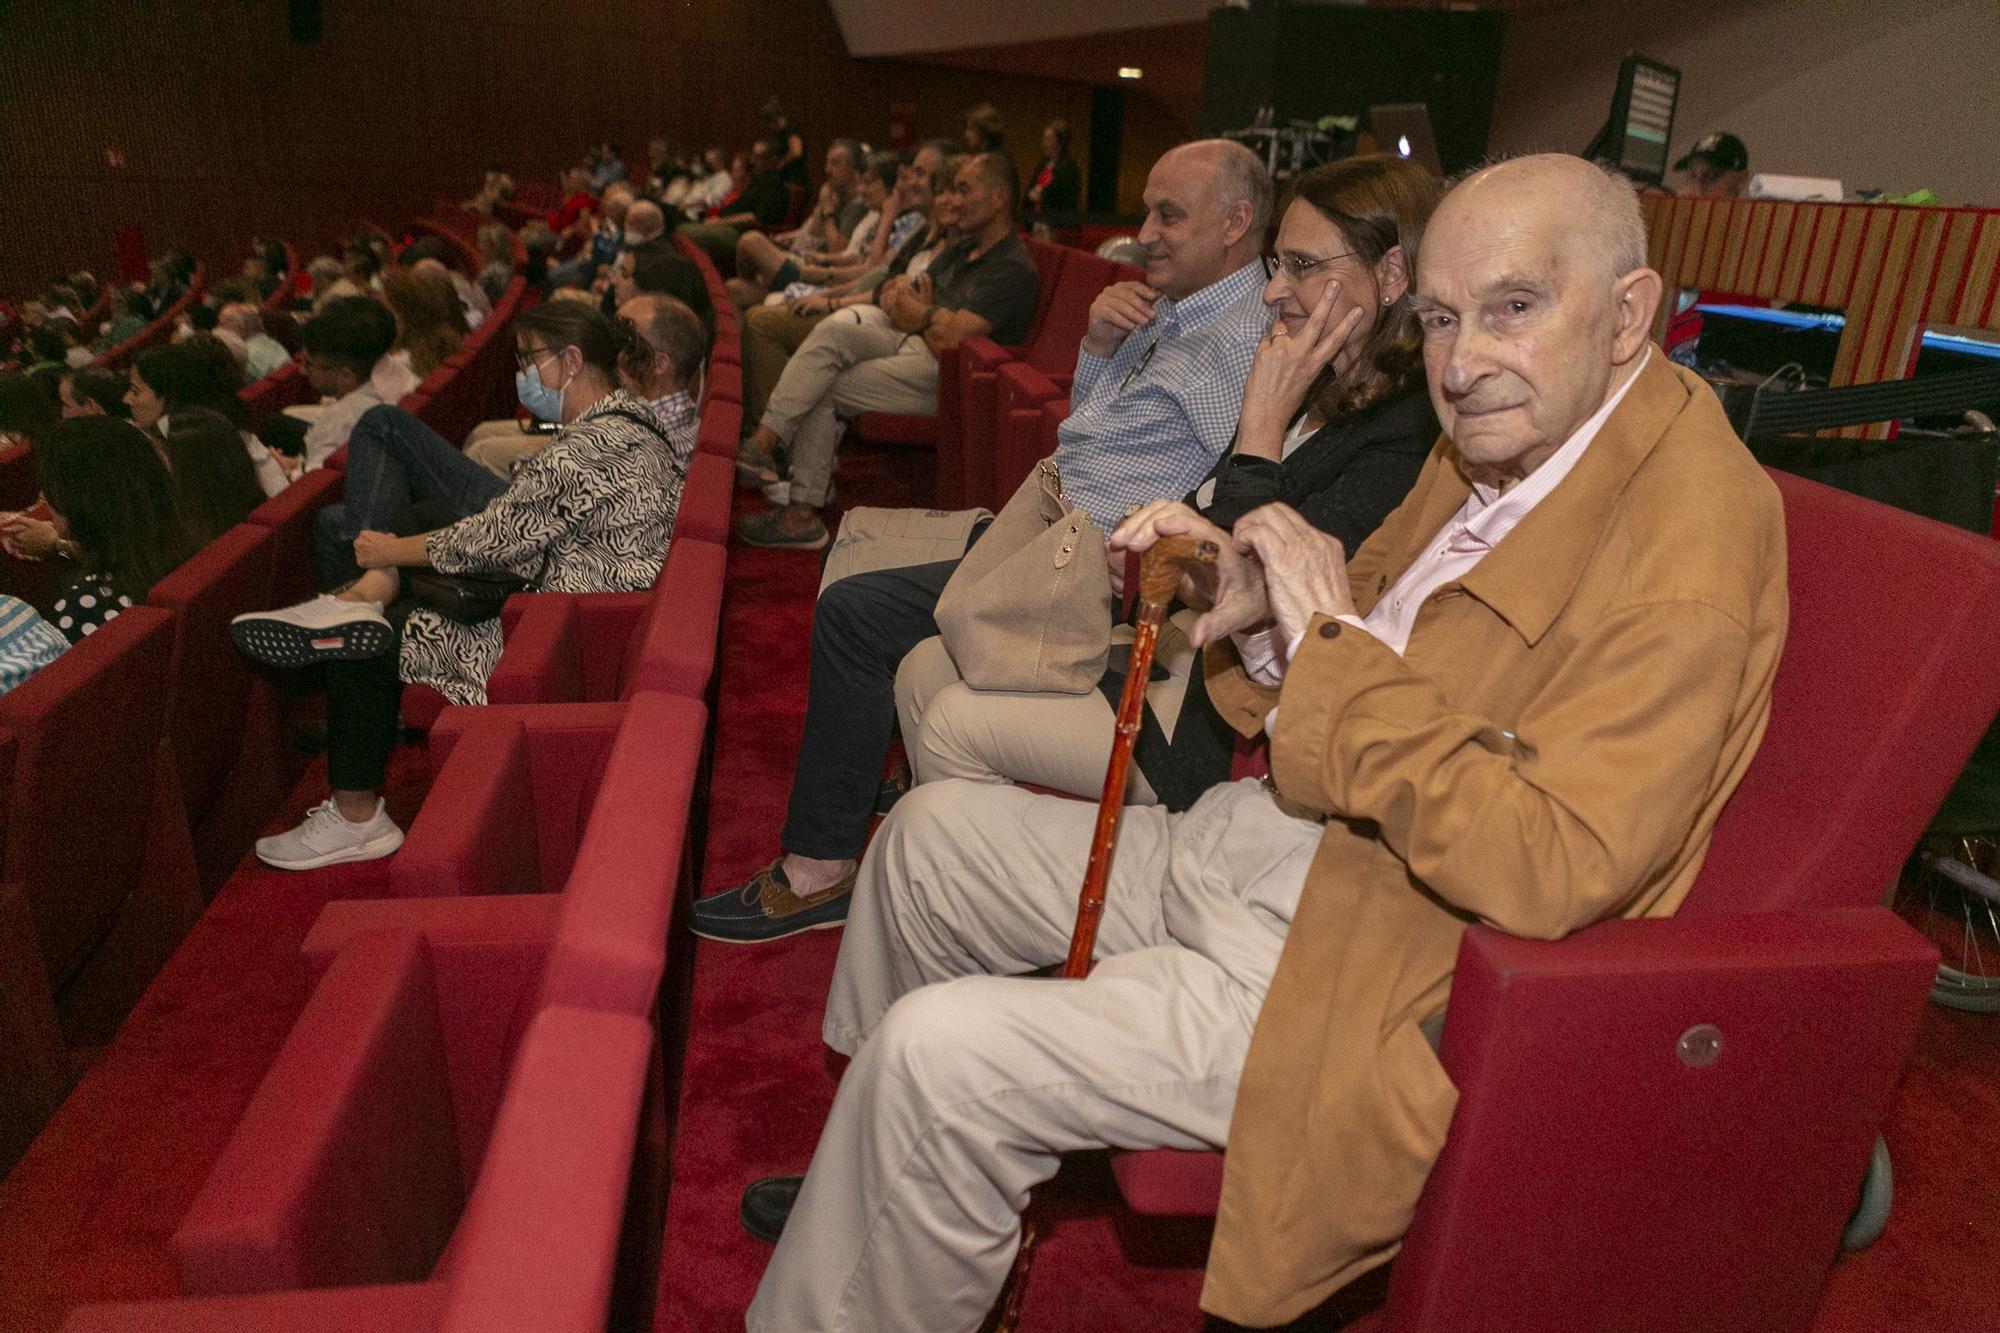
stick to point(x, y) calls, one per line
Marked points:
point(592, 512)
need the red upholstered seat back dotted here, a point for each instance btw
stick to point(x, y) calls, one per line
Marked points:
point(673, 647)
point(623, 891)
point(290, 514)
point(705, 498)
point(1049, 261)
point(88, 727)
point(1053, 348)
point(208, 687)
point(1887, 679)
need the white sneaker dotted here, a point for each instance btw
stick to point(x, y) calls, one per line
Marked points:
point(322, 629)
point(778, 493)
point(328, 837)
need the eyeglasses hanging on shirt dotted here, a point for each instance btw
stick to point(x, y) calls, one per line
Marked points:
point(1139, 367)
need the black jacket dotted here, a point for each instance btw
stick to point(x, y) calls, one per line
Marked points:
point(1345, 480)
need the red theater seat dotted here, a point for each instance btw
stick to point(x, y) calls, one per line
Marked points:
point(1595, 1160)
point(222, 718)
point(1021, 396)
point(615, 644)
point(290, 514)
point(703, 515)
point(97, 882)
point(379, 1105)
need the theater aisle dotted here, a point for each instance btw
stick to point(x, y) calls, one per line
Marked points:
point(757, 1083)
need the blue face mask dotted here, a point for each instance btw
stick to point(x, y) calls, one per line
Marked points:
point(542, 402)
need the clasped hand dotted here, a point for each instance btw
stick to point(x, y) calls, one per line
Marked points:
point(1276, 571)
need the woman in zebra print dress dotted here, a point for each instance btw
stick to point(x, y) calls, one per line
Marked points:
point(590, 512)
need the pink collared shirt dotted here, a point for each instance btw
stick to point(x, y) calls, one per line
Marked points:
point(1481, 522)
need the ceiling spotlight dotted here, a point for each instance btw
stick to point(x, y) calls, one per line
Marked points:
point(1130, 72)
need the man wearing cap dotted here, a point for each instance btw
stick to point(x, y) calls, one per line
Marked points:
point(1717, 168)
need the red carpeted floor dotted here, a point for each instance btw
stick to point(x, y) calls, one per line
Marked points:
point(87, 1213)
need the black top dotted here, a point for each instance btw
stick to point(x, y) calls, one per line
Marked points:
point(766, 197)
point(1065, 188)
point(84, 602)
point(1000, 286)
point(1345, 479)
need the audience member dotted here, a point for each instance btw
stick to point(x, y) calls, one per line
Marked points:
point(762, 203)
point(427, 254)
point(589, 513)
point(1057, 185)
point(27, 642)
point(114, 515)
point(762, 268)
point(26, 416)
point(791, 145)
point(125, 321)
point(680, 346)
point(1335, 423)
point(494, 187)
point(262, 353)
point(773, 333)
point(661, 268)
point(716, 182)
point(430, 322)
point(200, 373)
point(1150, 415)
point(577, 202)
point(1549, 752)
point(496, 247)
point(606, 167)
point(984, 131)
point(92, 391)
point(347, 359)
point(1717, 168)
point(214, 479)
point(984, 286)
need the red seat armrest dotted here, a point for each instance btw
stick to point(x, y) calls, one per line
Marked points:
point(543, 660)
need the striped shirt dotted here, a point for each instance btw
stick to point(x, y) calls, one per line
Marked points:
point(1148, 422)
point(27, 642)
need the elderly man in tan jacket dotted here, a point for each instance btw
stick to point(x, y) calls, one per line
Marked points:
point(1523, 702)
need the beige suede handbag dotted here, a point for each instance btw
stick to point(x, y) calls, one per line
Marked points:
point(1029, 608)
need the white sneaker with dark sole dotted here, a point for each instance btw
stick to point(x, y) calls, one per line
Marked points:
point(324, 629)
point(328, 838)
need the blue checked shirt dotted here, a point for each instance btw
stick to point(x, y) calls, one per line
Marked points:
point(1149, 423)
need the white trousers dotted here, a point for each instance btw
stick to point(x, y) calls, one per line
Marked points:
point(1059, 741)
point(967, 1083)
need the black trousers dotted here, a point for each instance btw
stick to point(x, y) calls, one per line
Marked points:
point(405, 478)
point(863, 627)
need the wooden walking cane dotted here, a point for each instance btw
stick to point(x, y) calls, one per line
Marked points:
point(1160, 570)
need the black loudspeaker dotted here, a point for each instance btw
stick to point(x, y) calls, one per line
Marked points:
point(303, 15)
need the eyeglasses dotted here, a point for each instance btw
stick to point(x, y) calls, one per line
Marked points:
point(527, 358)
point(1297, 268)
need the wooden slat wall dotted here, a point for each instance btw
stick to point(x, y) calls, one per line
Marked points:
point(1894, 271)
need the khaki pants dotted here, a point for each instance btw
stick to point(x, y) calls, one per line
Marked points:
point(965, 1088)
point(498, 445)
point(1059, 741)
point(771, 334)
point(846, 366)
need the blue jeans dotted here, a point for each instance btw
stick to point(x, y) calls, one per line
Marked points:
point(402, 477)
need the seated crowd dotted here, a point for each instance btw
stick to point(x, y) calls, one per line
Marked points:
point(1456, 598)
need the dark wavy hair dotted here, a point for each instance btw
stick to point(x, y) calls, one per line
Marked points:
point(199, 372)
point(107, 481)
point(1379, 201)
point(214, 478)
point(608, 342)
point(104, 387)
point(24, 408)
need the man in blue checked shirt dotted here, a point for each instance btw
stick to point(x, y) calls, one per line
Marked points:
point(1159, 381)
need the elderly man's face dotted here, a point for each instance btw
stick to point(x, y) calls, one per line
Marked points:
point(978, 202)
point(1186, 232)
point(840, 169)
point(1520, 321)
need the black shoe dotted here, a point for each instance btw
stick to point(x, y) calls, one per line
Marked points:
point(765, 908)
point(766, 1205)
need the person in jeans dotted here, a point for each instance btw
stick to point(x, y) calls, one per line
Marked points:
point(1159, 383)
point(590, 513)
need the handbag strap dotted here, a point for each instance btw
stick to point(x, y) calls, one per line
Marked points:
point(650, 423)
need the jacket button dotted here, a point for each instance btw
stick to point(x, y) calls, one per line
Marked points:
point(1329, 629)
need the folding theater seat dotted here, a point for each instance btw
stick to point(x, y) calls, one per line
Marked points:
point(379, 1114)
point(1021, 395)
point(537, 1241)
point(222, 718)
point(97, 878)
point(721, 429)
point(1646, 1100)
point(290, 514)
point(596, 647)
point(964, 455)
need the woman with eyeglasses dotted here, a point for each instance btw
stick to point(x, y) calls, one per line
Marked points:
point(590, 512)
point(1335, 423)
